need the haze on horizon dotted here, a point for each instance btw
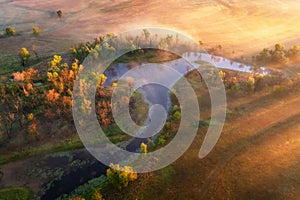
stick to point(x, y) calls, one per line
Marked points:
point(245, 26)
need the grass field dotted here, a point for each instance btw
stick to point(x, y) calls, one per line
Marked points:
point(21, 193)
point(257, 156)
point(243, 26)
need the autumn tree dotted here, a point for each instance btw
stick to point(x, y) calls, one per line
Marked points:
point(77, 198)
point(7, 117)
point(143, 148)
point(222, 75)
point(279, 53)
point(97, 195)
point(24, 56)
point(10, 31)
point(12, 108)
point(100, 77)
point(59, 13)
point(36, 30)
point(146, 34)
point(119, 176)
point(251, 83)
point(293, 52)
point(34, 50)
point(61, 79)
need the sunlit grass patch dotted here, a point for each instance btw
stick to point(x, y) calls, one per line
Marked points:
point(13, 193)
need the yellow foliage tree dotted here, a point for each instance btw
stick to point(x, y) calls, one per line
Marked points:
point(119, 176)
point(251, 83)
point(10, 31)
point(143, 147)
point(24, 55)
point(97, 195)
point(36, 30)
point(30, 117)
point(222, 75)
point(77, 198)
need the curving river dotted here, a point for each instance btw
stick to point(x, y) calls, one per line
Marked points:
point(153, 94)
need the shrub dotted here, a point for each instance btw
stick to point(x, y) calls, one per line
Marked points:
point(176, 115)
point(150, 144)
point(175, 108)
point(167, 174)
point(234, 84)
point(161, 140)
point(88, 191)
point(234, 87)
point(277, 89)
point(81, 51)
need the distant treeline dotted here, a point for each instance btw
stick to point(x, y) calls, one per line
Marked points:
point(280, 54)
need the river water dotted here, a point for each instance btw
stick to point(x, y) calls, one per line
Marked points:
point(153, 94)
